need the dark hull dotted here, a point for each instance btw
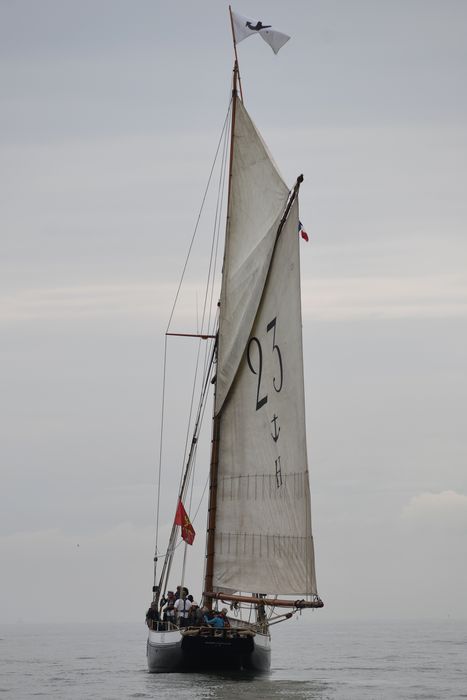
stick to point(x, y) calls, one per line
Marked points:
point(172, 653)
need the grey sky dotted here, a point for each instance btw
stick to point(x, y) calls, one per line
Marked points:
point(110, 117)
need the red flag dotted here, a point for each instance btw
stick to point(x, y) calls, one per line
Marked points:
point(182, 519)
point(302, 232)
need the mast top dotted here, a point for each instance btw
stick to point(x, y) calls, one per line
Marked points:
point(236, 65)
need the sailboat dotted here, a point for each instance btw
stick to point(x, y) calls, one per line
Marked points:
point(259, 558)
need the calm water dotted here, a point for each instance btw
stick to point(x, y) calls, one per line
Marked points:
point(311, 661)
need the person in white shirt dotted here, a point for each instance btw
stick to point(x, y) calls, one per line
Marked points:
point(182, 609)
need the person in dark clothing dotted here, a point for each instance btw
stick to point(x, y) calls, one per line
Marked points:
point(223, 614)
point(194, 616)
point(152, 616)
point(169, 610)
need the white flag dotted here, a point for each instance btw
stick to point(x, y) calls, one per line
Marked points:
point(244, 27)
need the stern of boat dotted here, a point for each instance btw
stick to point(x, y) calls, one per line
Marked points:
point(208, 649)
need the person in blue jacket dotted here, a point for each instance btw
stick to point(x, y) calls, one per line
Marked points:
point(216, 621)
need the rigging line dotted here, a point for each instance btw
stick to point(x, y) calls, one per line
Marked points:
point(199, 217)
point(215, 233)
point(209, 285)
point(201, 406)
point(171, 546)
point(190, 414)
point(202, 401)
point(174, 547)
point(208, 362)
point(201, 499)
point(223, 136)
point(215, 325)
point(160, 457)
point(200, 414)
point(220, 202)
point(222, 193)
point(192, 478)
point(209, 350)
point(193, 517)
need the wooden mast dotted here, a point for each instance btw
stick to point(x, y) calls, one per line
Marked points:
point(212, 507)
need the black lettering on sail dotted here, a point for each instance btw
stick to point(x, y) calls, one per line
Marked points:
point(277, 430)
point(278, 472)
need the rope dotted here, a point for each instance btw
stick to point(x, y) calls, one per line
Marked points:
point(199, 217)
point(210, 281)
point(160, 462)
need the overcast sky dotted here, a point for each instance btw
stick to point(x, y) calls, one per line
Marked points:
point(110, 116)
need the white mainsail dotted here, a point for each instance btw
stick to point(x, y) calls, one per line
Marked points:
point(258, 197)
point(263, 541)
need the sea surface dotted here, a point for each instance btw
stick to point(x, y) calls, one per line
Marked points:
point(311, 661)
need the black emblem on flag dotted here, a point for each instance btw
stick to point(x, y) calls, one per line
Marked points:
point(258, 26)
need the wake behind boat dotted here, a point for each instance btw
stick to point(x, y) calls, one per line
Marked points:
point(259, 558)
